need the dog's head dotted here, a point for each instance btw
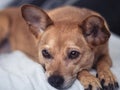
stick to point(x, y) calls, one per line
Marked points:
point(65, 48)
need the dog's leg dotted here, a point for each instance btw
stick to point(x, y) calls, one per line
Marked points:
point(89, 81)
point(106, 77)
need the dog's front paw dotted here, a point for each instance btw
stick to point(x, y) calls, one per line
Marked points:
point(90, 82)
point(107, 79)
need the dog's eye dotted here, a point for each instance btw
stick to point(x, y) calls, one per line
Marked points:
point(73, 54)
point(46, 54)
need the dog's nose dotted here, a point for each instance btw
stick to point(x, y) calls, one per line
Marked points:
point(56, 81)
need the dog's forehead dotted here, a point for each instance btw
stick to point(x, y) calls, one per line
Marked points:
point(64, 30)
point(62, 35)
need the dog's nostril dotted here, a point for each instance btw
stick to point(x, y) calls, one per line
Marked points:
point(56, 81)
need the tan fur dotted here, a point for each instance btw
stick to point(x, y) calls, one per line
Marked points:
point(18, 32)
point(62, 34)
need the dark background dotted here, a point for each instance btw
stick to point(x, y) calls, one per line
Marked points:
point(109, 9)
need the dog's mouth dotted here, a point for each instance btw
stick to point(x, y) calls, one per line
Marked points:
point(60, 82)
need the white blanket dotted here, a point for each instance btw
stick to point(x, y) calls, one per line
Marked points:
point(18, 72)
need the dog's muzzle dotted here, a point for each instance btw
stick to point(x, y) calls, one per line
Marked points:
point(56, 81)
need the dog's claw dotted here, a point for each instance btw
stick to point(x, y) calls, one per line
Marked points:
point(110, 86)
point(116, 85)
point(89, 81)
point(107, 80)
point(102, 82)
point(105, 88)
point(89, 87)
point(97, 75)
point(100, 89)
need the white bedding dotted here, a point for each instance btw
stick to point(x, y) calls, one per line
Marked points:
point(18, 72)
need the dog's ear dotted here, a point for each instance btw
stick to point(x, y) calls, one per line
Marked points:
point(36, 18)
point(95, 30)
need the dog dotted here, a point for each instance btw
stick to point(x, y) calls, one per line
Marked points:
point(67, 41)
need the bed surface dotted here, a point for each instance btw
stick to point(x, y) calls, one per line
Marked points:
point(18, 72)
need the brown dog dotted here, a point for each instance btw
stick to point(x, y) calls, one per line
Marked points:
point(67, 41)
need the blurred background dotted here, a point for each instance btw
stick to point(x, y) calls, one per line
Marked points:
point(109, 9)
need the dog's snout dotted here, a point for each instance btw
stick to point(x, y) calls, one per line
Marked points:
point(56, 81)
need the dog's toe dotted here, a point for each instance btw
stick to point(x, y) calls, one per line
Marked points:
point(116, 85)
point(90, 83)
point(108, 80)
point(89, 87)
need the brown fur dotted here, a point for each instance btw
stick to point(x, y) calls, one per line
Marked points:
point(60, 31)
point(18, 32)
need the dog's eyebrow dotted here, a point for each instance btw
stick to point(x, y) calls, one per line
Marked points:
point(51, 42)
point(46, 46)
